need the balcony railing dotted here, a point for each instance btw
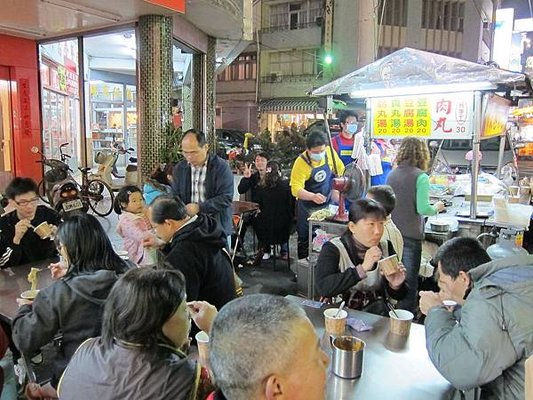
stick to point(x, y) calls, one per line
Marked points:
point(291, 27)
point(275, 78)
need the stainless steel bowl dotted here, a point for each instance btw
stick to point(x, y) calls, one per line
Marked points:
point(439, 226)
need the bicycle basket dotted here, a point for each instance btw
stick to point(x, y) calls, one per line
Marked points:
point(101, 156)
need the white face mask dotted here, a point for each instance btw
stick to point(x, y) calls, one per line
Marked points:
point(351, 129)
point(317, 156)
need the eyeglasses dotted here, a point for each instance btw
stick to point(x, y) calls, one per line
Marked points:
point(23, 203)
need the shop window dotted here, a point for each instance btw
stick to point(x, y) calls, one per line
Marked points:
point(443, 15)
point(293, 63)
point(294, 15)
point(60, 99)
point(392, 12)
point(243, 67)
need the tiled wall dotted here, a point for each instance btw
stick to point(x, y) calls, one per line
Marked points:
point(155, 86)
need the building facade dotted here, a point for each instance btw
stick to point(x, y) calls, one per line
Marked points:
point(59, 84)
point(302, 44)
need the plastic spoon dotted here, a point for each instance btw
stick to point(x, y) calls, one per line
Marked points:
point(339, 310)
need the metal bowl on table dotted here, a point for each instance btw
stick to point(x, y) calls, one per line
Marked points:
point(440, 226)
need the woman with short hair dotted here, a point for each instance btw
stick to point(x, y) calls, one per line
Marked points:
point(142, 351)
point(411, 187)
point(347, 265)
point(70, 310)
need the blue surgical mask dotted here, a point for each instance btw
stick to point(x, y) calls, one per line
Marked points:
point(352, 128)
point(317, 156)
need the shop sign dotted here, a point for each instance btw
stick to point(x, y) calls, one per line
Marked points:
point(174, 5)
point(444, 116)
point(496, 115)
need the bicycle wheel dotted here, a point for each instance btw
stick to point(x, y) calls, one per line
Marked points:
point(100, 197)
point(41, 191)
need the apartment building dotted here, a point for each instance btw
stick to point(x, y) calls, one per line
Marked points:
point(302, 44)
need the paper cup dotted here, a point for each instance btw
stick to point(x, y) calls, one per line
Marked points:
point(29, 294)
point(202, 341)
point(389, 265)
point(400, 324)
point(44, 230)
point(450, 304)
point(335, 326)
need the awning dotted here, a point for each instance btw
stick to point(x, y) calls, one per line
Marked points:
point(290, 105)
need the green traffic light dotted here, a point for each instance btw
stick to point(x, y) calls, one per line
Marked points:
point(328, 59)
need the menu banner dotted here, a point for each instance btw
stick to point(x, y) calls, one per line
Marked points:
point(437, 116)
point(496, 115)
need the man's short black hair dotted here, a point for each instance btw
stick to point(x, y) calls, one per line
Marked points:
point(20, 186)
point(199, 135)
point(315, 138)
point(347, 113)
point(384, 195)
point(460, 254)
point(365, 208)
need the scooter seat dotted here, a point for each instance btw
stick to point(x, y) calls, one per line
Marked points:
point(84, 170)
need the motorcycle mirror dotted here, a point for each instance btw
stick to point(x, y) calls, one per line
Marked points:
point(35, 150)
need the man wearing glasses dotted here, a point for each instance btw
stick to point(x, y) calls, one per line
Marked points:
point(19, 243)
point(204, 181)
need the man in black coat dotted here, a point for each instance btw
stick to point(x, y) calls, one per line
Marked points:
point(19, 243)
point(204, 182)
point(195, 247)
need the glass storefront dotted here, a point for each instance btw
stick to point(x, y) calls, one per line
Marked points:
point(60, 99)
point(110, 78)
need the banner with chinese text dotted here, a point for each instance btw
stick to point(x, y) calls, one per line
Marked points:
point(438, 116)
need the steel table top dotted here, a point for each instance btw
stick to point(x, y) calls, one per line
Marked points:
point(393, 367)
point(14, 281)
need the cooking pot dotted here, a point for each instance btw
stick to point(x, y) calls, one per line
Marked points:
point(440, 226)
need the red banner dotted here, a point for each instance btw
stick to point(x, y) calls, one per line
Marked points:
point(174, 5)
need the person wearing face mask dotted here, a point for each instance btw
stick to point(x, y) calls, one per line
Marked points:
point(343, 143)
point(311, 177)
point(347, 265)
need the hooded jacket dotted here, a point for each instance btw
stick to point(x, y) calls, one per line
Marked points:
point(196, 250)
point(124, 372)
point(488, 346)
point(73, 307)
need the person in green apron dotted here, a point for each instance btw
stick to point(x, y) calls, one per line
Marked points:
point(311, 178)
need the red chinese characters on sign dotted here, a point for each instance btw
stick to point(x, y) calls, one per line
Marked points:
point(432, 115)
point(25, 106)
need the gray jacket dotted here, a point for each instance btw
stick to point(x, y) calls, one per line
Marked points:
point(488, 346)
point(126, 372)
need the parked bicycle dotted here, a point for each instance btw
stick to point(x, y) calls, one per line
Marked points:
point(61, 190)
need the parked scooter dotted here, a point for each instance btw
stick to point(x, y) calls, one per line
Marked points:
point(59, 188)
point(107, 159)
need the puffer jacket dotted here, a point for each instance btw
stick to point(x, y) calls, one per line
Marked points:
point(126, 372)
point(72, 307)
point(485, 351)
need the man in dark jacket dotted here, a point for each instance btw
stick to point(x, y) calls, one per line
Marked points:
point(204, 182)
point(195, 247)
point(19, 243)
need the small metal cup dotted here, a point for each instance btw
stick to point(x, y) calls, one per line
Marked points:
point(347, 356)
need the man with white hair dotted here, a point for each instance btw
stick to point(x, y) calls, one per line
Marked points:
point(263, 347)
